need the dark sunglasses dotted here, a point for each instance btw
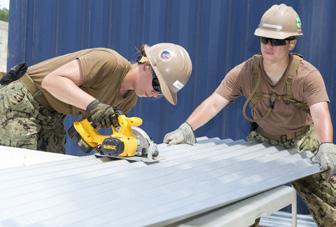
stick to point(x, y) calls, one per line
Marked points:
point(274, 42)
point(156, 84)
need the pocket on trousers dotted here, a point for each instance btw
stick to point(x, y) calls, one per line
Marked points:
point(16, 99)
point(18, 102)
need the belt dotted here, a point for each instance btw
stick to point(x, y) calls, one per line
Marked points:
point(32, 88)
point(283, 138)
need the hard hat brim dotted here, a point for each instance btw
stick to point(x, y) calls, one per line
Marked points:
point(167, 93)
point(274, 34)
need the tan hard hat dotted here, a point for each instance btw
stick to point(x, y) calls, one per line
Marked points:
point(279, 22)
point(172, 65)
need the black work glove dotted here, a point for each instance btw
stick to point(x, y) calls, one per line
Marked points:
point(102, 115)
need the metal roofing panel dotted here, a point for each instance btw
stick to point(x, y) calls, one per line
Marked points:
point(284, 219)
point(187, 181)
point(12, 157)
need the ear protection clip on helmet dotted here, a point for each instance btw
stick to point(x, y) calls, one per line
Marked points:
point(142, 58)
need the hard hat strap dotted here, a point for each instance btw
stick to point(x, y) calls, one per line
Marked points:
point(256, 93)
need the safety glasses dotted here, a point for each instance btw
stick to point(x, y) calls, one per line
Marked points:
point(156, 84)
point(273, 42)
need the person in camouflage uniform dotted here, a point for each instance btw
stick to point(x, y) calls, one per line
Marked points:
point(289, 105)
point(97, 83)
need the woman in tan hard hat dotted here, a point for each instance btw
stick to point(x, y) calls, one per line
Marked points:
point(289, 105)
point(98, 83)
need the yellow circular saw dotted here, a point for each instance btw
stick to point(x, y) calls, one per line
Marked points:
point(127, 141)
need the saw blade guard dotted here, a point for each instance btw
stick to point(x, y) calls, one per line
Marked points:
point(146, 146)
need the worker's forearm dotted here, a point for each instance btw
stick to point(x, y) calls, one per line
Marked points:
point(67, 91)
point(322, 122)
point(324, 130)
point(207, 110)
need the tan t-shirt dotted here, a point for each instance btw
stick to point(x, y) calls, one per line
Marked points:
point(307, 87)
point(102, 71)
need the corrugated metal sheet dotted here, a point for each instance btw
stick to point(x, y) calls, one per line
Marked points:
point(13, 157)
point(283, 219)
point(187, 181)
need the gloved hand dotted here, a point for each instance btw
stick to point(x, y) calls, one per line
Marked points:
point(184, 134)
point(326, 157)
point(102, 115)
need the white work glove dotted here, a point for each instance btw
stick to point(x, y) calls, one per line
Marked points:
point(184, 134)
point(326, 157)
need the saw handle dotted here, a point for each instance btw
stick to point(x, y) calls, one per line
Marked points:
point(126, 124)
point(123, 121)
point(90, 121)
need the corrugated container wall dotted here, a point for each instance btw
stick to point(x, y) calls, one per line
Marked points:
point(218, 35)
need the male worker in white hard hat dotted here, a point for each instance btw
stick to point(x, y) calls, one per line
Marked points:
point(97, 83)
point(289, 104)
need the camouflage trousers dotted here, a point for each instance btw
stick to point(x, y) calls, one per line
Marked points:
point(25, 123)
point(318, 194)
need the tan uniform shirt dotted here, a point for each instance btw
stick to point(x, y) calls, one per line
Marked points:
point(307, 87)
point(102, 71)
